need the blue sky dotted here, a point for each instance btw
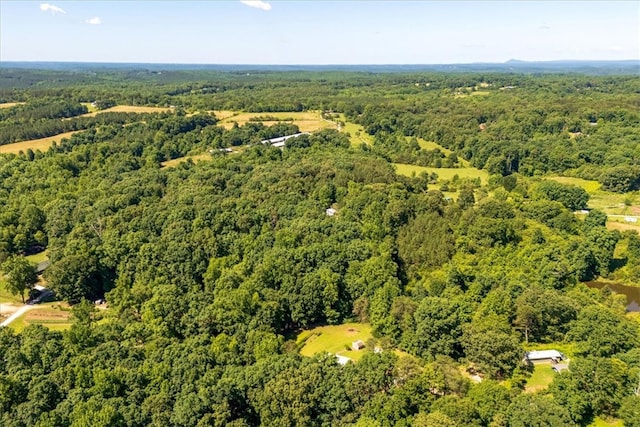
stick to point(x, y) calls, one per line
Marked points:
point(317, 32)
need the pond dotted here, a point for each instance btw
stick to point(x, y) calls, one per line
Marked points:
point(631, 292)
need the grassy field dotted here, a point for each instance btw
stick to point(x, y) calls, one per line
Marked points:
point(175, 162)
point(10, 104)
point(223, 114)
point(472, 93)
point(41, 144)
point(358, 134)
point(129, 109)
point(307, 121)
point(443, 173)
point(38, 258)
point(600, 422)
point(590, 187)
point(334, 339)
point(541, 378)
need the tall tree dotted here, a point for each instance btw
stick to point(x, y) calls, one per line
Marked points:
point(20, 275)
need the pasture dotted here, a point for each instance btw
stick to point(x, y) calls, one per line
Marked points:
point(129, 109)
point(335, 339)
point(307, 121)
point(10, 104)
point(41, 144)
point(443, 173)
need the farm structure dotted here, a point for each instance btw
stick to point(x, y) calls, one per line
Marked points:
point(280, 141)
point(542, 356)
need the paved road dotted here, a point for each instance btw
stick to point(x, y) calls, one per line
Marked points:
point(22, 310)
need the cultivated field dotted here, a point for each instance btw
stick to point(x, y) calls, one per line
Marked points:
point(41, 144)
point(54, 316)
point(307, 121)
point(443, 173)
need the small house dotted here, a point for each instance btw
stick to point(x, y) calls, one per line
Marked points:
point(358, 345)
point(331, 212)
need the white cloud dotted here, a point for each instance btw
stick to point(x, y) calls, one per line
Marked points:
point(258, 4)
point(544, 26)
point(46, 7)
point(94, 21)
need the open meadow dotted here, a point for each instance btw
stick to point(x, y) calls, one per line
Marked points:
point(443, 173)
point(129, 109)
point(10, 104)
point(307, 121)
point(335, 339)
point(41, 144)
point(195, 158)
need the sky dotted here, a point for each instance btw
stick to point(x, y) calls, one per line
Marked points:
point(318, 32)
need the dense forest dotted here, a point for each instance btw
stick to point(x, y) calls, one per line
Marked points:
point(211, 269)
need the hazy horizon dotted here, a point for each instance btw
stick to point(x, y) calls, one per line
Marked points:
point(318, 32)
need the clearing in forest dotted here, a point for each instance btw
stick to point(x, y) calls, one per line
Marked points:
point(335, 339)
point(307, 121)
point(10, 104)
point(54, 316)
point(443, 173)
point(357, 134)
point(41, 144)
point(129, 109)
point(195, 158)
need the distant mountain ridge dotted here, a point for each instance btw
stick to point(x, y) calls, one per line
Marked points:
point(631, 66)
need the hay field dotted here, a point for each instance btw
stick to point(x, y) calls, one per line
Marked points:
point(10, 104)
point(443, 173)
point(175, 162)
point(41, 144)
point(129, 109)
point(307, 121)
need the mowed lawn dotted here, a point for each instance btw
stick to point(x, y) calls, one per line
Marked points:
point(443, 173)
point(542, 377)
point(307, 121)
point(334, 339)
point(41, 144)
